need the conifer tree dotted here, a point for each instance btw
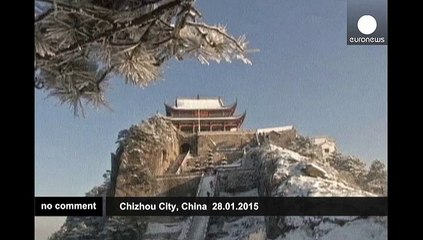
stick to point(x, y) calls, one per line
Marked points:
point(80, 44)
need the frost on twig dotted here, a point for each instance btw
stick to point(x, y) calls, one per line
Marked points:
point(79, 41)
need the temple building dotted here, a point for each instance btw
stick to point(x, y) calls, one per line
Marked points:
point(193, 115)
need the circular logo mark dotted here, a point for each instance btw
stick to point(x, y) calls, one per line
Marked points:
point(366, 24)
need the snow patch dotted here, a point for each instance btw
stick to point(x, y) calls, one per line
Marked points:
point(243, 228)
point(295, 175)
point(370, 228)
point(358, 230)
point(158, 228)
point(250, 193)
point(274, 129)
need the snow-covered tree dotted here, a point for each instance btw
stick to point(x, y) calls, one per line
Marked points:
point(377, 170)
point(79, 44)
point(351, 168)
point(376, 178)
point(304, 146)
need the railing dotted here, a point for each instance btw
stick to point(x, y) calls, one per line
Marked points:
point(199, 184)
point(179, 176)
point(233, 149)
point(184, 232)
point(179, 170)
point(227, 132)
point(174, 167)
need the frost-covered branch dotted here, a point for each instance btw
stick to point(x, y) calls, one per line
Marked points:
point(79, 43)
point(219, 30)
point(117, 27)
point(104, 75)
point(44, 15)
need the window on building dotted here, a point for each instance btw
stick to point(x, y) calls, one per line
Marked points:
point(326, 150)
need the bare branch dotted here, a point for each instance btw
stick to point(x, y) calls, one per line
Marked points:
point(103, 76)
point(163, 41)
point(166, 24)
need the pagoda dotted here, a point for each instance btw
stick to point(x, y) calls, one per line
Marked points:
point(193, 115)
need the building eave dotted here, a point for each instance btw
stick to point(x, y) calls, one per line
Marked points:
point(229, 118)
point(168, 109)
point(230, 108)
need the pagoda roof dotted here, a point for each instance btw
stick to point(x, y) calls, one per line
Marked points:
point(237, 118)
point(199, 104)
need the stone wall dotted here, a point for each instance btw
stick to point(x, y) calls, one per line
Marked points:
point(230, 156)
point(178, 186)
point(223, 140)
point(281, 139)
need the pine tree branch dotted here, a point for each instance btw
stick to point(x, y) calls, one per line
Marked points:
point(103, 76)
point(44, 15)
point(38, 83)
point(116, 28)
point(65, 5)
point(89, 11)
point(202, 25)
point(163, 41)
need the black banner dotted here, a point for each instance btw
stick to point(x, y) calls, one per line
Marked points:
point(212, 206)
point(68, 206)
point(247, 206)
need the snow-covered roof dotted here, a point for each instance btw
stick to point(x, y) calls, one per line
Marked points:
point(239, 117)
point(275, 129)
point(322, 139)
point(201, 103)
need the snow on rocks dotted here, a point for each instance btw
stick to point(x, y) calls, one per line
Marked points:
point(292, 174)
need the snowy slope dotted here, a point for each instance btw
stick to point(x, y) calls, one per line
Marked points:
point(296, 175)
point(360, 229)
point(292, 175)
point(287, 173)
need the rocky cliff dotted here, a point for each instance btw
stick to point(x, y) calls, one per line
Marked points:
point(145, 151)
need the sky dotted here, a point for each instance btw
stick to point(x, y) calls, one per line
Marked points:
point(304, 75)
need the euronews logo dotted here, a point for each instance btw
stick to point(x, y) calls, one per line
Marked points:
point(367, 25)
point(365, 28)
